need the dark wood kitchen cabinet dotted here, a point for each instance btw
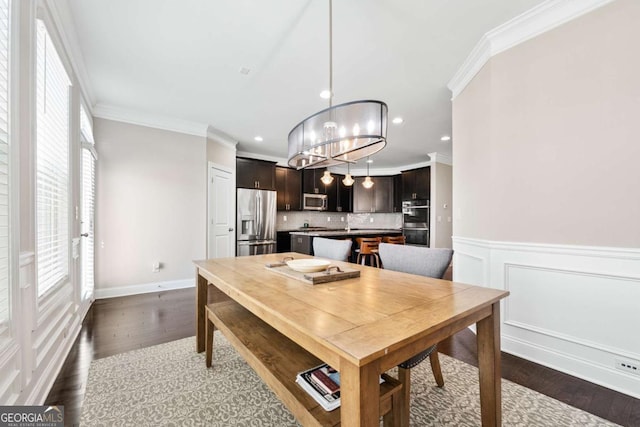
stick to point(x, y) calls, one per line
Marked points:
point(397, 193)
point(311, 182)
point(344, 197)
point(289, 188)
point(378, 198)
point(338, 195)
point(252, 173)
point(302, 244)
point(283, 242)
point(416, 184)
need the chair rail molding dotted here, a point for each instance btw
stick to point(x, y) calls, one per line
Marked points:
point(571, 308)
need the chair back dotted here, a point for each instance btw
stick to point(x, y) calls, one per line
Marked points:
point(430, 262)
point(332, 248)
point(368, 244)
point(394, 240)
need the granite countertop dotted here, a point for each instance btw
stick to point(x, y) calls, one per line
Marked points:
point(343, 232)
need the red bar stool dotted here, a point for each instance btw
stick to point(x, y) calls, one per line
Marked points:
point(368, 250)
point(394, 240)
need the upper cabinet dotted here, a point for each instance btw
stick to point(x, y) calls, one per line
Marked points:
point(252, 173)
point(344, 196)
point(378, 198)
point(289, 188)
point(312, 184)
point(338, 194)
point(416, 184)
point(397, 193)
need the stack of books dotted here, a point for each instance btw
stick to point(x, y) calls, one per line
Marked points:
point(323, 384)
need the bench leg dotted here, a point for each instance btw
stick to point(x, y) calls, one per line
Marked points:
point(394, 417)
point(210, 328)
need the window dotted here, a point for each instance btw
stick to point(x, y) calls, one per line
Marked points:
point(4, 163)
point(52, 164)
point(88, 203)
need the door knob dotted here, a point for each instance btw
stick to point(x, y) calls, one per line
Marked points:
point(85, 235)
point(230, 229)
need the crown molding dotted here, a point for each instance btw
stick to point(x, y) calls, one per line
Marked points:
point(540, 19)
point(221, 137)
point(172, 124)
point(281, 161)
point(441, 158)
point(66, 29)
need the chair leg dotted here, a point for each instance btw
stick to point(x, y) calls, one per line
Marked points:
point(435, 367)
point(404, 376)
point(210, 328)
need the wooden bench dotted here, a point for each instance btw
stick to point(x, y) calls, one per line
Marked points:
point(277, 360)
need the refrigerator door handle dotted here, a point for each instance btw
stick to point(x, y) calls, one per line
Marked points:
point(258, 215)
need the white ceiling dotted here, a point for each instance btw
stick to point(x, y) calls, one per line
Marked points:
point(181, 59)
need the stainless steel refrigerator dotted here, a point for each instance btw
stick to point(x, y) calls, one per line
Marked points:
point(256, 222)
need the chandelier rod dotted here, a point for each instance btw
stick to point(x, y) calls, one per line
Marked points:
point(330, 53)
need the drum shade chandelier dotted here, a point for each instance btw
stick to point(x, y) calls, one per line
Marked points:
point(341, 133)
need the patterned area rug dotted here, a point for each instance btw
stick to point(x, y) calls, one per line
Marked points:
point(168, 384)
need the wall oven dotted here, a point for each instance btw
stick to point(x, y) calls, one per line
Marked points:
point(314, 202)
point(415, 221)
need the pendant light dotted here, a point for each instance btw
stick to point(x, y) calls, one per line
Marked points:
point(348, 180)
point(326, 178)
point(340, 133)
point(367, 183)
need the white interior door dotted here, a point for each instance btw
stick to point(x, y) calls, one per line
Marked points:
point(221, 212)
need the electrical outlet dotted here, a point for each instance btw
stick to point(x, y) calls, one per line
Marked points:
point(284, 218)
point(630, 366)
point(155, 268)
point(370, 219)
point(342, 219)
point(328, 219)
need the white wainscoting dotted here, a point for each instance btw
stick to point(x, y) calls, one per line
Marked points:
point(571, 308)
point(144, 288)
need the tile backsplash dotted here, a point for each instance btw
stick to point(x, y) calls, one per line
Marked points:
point(295, 220)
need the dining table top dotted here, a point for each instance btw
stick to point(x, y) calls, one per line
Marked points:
point(359, 319)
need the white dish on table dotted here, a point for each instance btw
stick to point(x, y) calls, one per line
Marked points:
point(308, 265)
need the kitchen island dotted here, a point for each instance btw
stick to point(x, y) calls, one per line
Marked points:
point(302, 240)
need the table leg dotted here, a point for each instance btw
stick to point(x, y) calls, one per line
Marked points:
point(489, 365)
point(359, 394)
point(201, 301)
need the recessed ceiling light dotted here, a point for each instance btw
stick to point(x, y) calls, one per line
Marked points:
point(369, 161)
point(445, 138)
point(397, 120)
point(325, 94)
point(258, 138)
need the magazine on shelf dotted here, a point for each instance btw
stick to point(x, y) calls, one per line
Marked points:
point(328, 400)
point(323, 384)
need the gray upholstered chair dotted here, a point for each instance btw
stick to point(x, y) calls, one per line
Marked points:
point(332, 248)
point(430, 262)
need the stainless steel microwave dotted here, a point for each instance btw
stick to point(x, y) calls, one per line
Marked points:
point(314, 202)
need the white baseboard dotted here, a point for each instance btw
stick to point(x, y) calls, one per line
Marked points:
point(571, 308)
point(144, 288)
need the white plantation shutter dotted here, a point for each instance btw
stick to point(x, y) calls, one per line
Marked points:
point(88, 202)
point(52, 164)
point(4, 164)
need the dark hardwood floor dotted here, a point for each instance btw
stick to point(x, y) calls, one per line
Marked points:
point(121, 324)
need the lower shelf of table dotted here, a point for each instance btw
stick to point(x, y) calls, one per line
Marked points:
point(277, 360)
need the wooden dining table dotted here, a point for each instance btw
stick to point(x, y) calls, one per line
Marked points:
point(361, 326)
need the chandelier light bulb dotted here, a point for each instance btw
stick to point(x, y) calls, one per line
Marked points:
point(326, 178)
point(367, 183)
point(348, 180)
